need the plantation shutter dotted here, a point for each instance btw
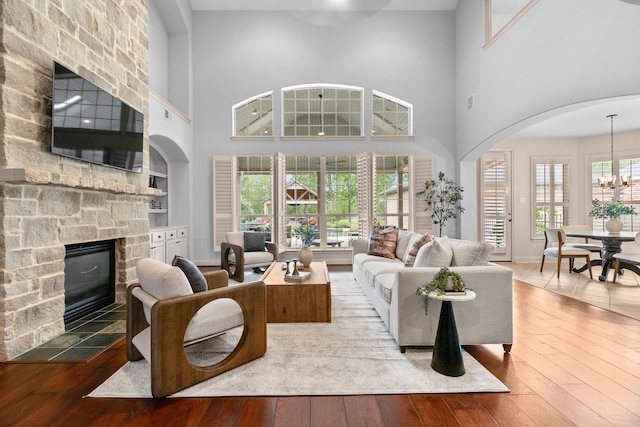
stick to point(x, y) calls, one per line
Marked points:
point(365, 194)
point(279, 166)
point(494, 200)
point(223, 197)
point(422, 170)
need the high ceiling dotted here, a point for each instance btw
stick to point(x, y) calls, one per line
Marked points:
point(588, 119)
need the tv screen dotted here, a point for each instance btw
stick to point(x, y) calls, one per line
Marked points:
point(91, 125)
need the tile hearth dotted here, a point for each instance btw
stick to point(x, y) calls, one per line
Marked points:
point(83, 339)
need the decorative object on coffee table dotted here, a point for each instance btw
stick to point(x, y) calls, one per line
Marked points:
point(305, 256)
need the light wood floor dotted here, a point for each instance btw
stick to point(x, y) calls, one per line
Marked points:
point(571, 364)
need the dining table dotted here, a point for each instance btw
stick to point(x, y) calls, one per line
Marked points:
point(611, 245)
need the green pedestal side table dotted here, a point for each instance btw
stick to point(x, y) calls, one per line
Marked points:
point(447, 353)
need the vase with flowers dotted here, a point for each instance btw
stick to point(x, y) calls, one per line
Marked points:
point(612, 213)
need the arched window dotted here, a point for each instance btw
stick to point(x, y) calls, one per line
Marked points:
point(254, 116)
point(322, 110)
point(391, 116)
point(499, 15)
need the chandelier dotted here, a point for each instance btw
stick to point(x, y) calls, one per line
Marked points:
point(610, 181)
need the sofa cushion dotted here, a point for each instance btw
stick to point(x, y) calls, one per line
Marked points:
point(410, 257)
point(405, 239)
point(360, 259)
point(383, 284)
point(254, 242)
point(214, 318)
point(436, 253)
point(373, 269)
point(195, 277)
point(470, 253)
point(162, 280)
point(382, 242)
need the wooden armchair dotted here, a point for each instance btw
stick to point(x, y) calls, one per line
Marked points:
point(164, 315)
point(246, 249)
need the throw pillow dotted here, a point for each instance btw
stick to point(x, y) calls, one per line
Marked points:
point(162, 280)
point(471, 253)
point(254, 242)
point(436, 253)
point(410, 258)
point(382, 242)
point(194, 275)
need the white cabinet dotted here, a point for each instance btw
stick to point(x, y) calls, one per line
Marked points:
point(166, 242)
point(157, 245)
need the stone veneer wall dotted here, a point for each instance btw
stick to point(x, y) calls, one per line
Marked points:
point(48, 201)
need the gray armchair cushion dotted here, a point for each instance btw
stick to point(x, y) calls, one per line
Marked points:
point(194, 275)
point(254, 242)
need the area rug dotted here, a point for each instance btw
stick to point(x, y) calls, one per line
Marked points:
point(355, 354)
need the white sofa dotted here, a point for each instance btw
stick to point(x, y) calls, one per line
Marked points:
point(391, 287)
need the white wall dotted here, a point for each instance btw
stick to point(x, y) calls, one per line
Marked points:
point(558, 54)
point(170, 128)
point(158, 53)
point(241, 54)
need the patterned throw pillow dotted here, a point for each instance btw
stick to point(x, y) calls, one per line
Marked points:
point(410, 258)
point(382, 242)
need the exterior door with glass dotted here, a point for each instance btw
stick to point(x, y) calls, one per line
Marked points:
point(495, 203)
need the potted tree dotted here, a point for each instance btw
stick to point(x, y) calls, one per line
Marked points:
point(443, 197)
point(612, 213)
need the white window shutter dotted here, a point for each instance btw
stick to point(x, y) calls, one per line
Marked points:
point(279, 170)
point(421, 172)
point(223, 197)
point(365, 194)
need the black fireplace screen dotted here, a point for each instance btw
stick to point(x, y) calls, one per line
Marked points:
point(89, 282)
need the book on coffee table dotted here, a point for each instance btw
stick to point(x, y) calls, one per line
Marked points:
point(302, 275)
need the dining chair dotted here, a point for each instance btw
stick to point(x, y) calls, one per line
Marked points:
point(554, 246)
point(591, 247)
point(626, 257)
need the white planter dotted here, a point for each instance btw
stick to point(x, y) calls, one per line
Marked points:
point(613, 226)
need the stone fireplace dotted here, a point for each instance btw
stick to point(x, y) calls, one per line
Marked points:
point(49, 202)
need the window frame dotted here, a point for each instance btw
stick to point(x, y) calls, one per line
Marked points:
point(228, 212)
point(234, 119)
point(489, 35)
point(398, 101)
point(566, 203)
point(322, 87)
point(607, 195)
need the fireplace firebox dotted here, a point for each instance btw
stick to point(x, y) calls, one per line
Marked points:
point(89, 282)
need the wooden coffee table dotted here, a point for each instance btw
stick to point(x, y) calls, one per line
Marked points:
point(307, 301)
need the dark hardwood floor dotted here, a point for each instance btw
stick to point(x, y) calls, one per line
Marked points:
point(571, 364)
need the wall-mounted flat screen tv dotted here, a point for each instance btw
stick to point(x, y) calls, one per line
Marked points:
point(91, 125)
